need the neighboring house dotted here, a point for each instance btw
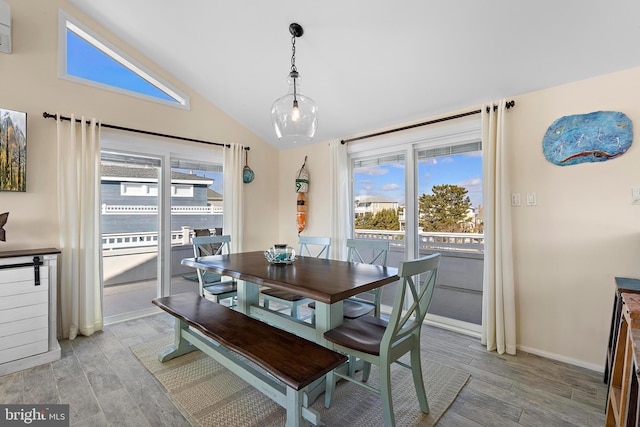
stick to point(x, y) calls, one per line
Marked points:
point(372, 204)
point(130, 200)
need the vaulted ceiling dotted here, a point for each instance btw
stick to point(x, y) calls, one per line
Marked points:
point(377, 63)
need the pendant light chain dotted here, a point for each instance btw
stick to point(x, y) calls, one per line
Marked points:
point(294, 71)
point(293, 54)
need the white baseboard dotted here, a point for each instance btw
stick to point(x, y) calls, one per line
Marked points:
point(464, 328)
point(31, 361)
point(564, 359)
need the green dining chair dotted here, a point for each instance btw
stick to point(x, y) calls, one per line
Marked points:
point(366, 251)
point(309, 246)
point(213, 285)
point(380, 342)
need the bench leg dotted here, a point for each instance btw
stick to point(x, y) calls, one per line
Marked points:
point(294, 400)
point(180, 346)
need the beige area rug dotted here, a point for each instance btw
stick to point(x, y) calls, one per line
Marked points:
point(213, 396)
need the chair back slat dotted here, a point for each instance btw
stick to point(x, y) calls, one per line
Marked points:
point(211, 245)
point(317, 247)
point(409, 321)
point(207, 246)
point(375, 250)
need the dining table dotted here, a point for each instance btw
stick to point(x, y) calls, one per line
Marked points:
point(328, 282)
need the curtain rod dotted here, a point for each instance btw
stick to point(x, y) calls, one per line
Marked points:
point(54, 116)
point(509, 104)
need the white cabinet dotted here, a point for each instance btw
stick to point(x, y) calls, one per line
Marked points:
point(28, 309)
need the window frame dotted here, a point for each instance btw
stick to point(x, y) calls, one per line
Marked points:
point(409, 144)
point(68, 22)
point(165, 151)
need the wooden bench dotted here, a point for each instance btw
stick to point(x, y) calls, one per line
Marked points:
point(296, 363)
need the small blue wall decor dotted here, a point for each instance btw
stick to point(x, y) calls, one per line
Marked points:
point(592, 137)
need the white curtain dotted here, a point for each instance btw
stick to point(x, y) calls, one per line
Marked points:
point(339, 204)
point(233, 194)
point(498, 308)
point(79, 219)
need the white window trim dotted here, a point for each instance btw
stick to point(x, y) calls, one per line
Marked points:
point(66, 21)
point(470, 130)
point(176, 193)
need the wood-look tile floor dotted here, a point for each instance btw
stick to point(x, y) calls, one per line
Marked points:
point(105, 384)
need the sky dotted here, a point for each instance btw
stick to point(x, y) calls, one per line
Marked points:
point(87, 62)
point(387, 181)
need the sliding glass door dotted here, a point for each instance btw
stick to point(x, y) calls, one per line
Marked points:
point(155, 195)
point(130, 225)
point(196, 209)
point(422, 191)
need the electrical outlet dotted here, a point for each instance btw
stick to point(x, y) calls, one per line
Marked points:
point(531, 199)
point(515, 199)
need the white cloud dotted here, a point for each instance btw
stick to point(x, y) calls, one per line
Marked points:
point(389, 187)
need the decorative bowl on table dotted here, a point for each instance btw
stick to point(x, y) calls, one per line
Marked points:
point(280, 254)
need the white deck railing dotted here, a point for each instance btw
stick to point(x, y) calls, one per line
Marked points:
point(153, 210)
point(470, 242)
point(441, 241)
point(117, 241)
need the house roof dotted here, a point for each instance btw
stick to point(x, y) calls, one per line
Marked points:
point(126, 173)
point(213, 195)
point(373, 199)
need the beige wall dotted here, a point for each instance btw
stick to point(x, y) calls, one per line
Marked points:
point(29, 82)
point(568, 249)
point(583, 231)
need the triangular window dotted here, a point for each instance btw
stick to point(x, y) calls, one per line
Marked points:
point(85, 58)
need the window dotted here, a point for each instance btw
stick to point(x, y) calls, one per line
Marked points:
point(145, 236)
point(422, 191)
point(138, 189)
point(182, 190)
point(85, 58)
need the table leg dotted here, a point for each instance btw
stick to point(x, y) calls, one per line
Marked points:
point(248, 295)
point(328, 316)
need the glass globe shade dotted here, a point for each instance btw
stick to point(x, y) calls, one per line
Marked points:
point(294, 121)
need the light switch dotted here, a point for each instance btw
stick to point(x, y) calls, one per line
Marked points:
point(531, 199)
point(515, 199)
point(635, 196)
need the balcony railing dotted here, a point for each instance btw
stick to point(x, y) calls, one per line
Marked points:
point(470, 242)
point(153, 210)
point(467, 242)
point(111, 242)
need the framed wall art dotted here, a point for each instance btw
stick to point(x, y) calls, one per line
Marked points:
point(13, 150)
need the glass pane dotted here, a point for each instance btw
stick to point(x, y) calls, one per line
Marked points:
point(87, 62)
point(196, 208)
point(129, 203)
point(87, 58)
point(379, 192)
point(450, 222)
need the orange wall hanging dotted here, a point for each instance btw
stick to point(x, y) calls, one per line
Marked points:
point(302, 187)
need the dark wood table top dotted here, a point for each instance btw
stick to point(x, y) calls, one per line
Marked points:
point(322, 280)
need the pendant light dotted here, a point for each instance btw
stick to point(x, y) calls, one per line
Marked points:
point(294, 115)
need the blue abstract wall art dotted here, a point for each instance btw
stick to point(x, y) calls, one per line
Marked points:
point(592, 137)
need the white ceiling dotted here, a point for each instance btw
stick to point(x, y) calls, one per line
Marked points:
point(376, 63)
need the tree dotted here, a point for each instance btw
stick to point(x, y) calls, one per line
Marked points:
point(445, 210)
point(386, 219)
